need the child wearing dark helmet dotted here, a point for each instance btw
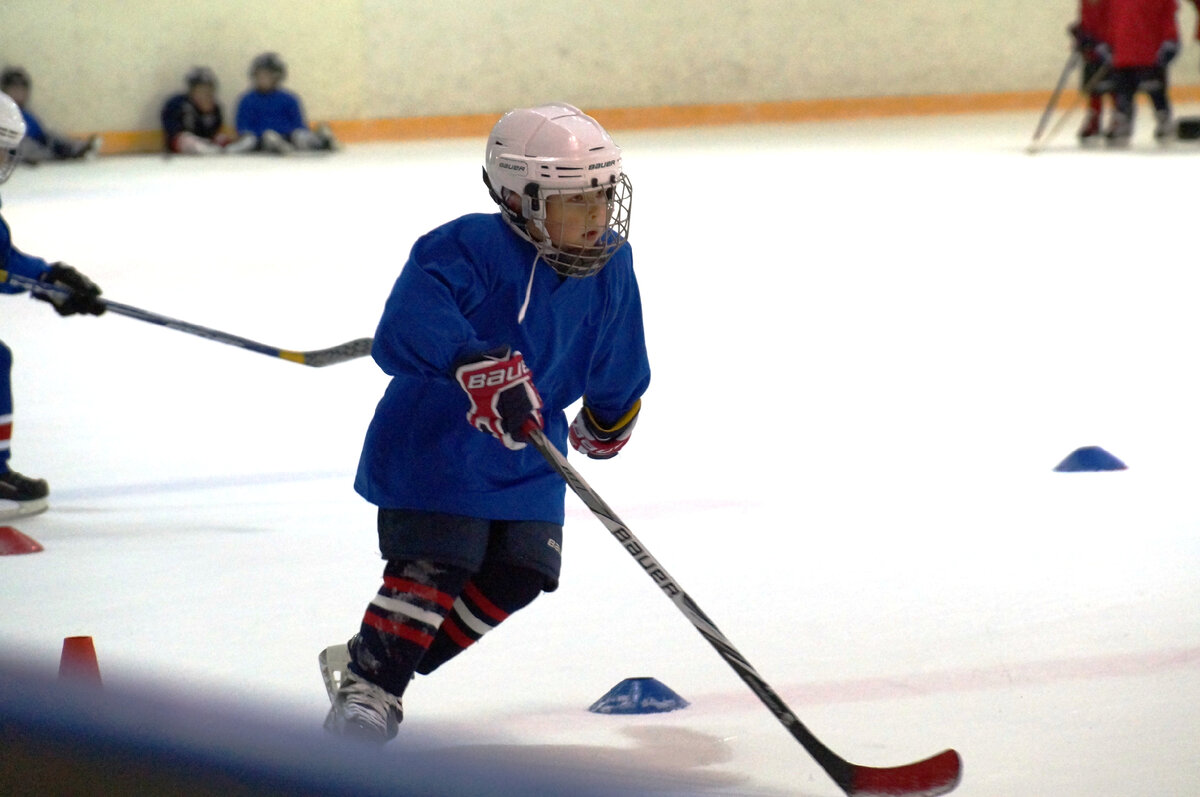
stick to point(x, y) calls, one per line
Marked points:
point(496, 324)
point(193, 121)
point(273, 115)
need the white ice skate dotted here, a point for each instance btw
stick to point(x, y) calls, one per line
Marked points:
point(357, 708)
point(272, 142)
point(328, 139)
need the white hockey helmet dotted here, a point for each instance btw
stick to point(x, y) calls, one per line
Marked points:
point(536, 153)
point(12, 130)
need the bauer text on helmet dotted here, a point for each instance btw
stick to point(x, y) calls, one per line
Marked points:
point(556, 175)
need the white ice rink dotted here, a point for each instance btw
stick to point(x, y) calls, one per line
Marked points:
point(872, 341)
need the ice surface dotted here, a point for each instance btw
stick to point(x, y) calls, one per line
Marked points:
point(872, 342)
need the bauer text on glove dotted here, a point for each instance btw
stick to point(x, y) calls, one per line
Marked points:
point(503, 398)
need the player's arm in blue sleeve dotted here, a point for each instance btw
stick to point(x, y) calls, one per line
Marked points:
point(83, 296)
point(620, 369)
point(424, 329)
point(295, 113)
point(617, 377)
point(16, 261)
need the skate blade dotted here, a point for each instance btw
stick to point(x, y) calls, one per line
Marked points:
point(333, 661)
point(16, 509)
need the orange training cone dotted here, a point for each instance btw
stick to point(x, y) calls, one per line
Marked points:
point(14, 542)
point(78, 661)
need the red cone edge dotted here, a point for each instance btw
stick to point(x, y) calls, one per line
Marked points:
point(14, 542)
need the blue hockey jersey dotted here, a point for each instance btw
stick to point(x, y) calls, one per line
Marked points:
point(34, 129)
point(16, 261)
point(277, 110)
point(459, 295)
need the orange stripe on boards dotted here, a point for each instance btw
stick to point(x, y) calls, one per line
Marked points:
point(675, 116)
point(417, 127)
point(121, 142)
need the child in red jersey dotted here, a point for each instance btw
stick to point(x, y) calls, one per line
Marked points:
point(1097, 81)
point(1140, 39)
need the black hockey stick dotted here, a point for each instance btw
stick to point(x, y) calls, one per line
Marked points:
point(933, 776)
point(1068, 68)
point(320, 357)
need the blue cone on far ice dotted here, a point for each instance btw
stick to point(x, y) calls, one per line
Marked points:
point(638, 696)
point(1089, 458)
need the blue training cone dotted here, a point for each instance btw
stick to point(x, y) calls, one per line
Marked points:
point(638, 696)
point(1089, 458)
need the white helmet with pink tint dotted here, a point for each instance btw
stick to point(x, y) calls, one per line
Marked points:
point(12, 130)
point(557, 149)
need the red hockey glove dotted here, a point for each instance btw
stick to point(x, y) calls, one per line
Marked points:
point(502, 395)
point(589, 436)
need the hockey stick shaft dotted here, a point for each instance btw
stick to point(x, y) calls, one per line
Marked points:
point(932, 776)
point(1101, 73)
point(350, 350)
point(1072, 61)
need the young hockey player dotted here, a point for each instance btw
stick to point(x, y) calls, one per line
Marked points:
point(41, 144)
point(487, 306)
point(20, 495)
point(273, 115)
point(1140, 39)
point(192, 120)
point(1097, 74)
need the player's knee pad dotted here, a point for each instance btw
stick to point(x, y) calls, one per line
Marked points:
point(508, 587)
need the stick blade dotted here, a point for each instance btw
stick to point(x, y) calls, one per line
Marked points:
point(928, 778)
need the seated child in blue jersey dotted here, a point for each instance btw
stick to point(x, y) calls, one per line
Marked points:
point(544, 291)
point(273, 115)
point(41, 144)
point(21, 495)
point(192, 121)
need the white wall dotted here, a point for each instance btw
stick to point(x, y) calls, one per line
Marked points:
point(108, 64)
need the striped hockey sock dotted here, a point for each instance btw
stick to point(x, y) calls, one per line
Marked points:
point(486, 601)
point(402, 621)
point(6, 406)
point(5, 441)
